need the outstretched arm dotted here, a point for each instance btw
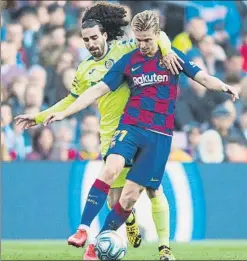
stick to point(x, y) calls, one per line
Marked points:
point(87, 98)
point(111, 82)
point(79, 85)
point(82, 102)
point(214, 84)
point(59, 106)
point(29, 120)
point(206, 80)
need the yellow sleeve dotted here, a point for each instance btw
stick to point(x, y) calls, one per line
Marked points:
point(177, 43)
point(78, 87)
point(182, 42)
point(164, 43)
point(60, 106)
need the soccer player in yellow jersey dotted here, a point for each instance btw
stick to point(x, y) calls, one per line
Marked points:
point(101, 26)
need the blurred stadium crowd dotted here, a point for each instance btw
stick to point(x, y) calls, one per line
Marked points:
point(41, 48)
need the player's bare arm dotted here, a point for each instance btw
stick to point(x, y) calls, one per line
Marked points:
point(210, 82)
point(83, 101)
point(215, 84)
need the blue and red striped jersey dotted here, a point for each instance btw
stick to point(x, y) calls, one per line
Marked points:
point(153, 89)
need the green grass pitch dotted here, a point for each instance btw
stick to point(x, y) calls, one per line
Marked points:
point(59, 250)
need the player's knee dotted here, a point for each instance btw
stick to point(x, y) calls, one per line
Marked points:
point(108, 175)
point(152, 193)
point(114, 165)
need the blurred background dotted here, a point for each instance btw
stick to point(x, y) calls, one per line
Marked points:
point(41, 48)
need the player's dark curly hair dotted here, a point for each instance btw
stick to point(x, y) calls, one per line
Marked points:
point(109, 17)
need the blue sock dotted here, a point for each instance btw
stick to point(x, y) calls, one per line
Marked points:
point(116, 218)
point(95, 201)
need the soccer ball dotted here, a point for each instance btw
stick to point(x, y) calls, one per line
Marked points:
point(110, 246)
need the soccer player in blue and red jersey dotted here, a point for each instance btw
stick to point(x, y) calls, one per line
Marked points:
point(143, 137)
point(102, 28)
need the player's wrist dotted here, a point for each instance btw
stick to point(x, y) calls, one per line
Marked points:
point(66, 113)
point(225, 88)
point(37, 119)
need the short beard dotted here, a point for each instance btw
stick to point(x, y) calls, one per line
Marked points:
point(100, 52)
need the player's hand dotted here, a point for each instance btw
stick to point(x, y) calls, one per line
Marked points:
point(173, 62)
point(25, 120)
point(232, 91)
point(57, 116)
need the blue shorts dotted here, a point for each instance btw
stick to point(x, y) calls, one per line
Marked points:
point(146, 152)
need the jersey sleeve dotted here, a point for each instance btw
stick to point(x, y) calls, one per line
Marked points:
point(189, 68)
point(59, 106)
point(164, 43)
point(116, 75)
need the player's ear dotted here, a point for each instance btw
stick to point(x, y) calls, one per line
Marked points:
point(105, 35)
point(158, 33)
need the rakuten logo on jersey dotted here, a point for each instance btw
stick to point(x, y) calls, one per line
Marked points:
point(150, 79)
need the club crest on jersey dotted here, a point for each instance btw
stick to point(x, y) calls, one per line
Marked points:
point(109, 63)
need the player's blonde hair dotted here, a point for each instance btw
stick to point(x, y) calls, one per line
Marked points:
point(146, 20)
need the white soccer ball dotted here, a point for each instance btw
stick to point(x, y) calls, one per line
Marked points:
point(110, 246)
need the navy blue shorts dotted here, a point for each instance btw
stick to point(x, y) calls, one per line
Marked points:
point(146, 152)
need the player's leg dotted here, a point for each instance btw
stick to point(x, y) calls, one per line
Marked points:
point(160, 207)
point(113, 197)
point(132, 138)
point(151, 164)
point(121, 211)
point(161, 218)
point(137, 179)
point(132, 229)
point(97, 197)
point(133, 232)
point(160, 214)
point(120, 154)
point(140, 176)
